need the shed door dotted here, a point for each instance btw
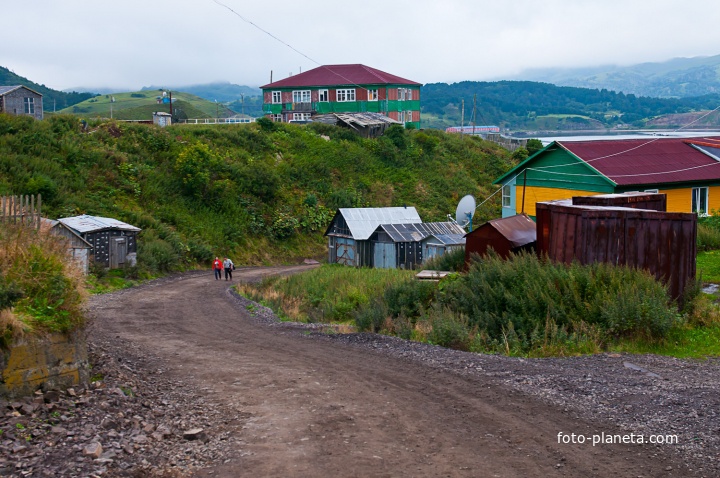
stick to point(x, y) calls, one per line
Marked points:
point(118, 252)
point(384, 255)
point(345, 251)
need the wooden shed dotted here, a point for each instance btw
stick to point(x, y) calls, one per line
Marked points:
point(78, 248)
point(350, 230)
point(436, 245)
point(504, 235)
point(21, 100)
point(401, 245)
point(114, 242)
point(664, 243)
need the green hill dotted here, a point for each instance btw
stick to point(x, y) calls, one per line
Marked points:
point(262, 193)
point(140, 105)
point(527, 105)
point(52, 99)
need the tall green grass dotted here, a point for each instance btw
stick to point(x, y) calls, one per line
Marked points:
point(331, 293)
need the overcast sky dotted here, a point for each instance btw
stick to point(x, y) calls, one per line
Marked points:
point(129, 44)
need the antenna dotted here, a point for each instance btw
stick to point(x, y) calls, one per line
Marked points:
point(465, 211)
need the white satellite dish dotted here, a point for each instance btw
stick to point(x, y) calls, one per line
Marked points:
point(465, 211)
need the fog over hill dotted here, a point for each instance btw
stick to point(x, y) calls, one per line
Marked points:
point(676, 78)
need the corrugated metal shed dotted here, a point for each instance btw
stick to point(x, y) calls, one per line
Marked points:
point(418, 232)
point(363, 221)
point(503, 235)
point(661, 242)
point(85, 223)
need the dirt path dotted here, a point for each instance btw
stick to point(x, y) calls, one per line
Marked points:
point(297, 406)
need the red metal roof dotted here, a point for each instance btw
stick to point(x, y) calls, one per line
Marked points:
point(337, 75)
point(644, 161)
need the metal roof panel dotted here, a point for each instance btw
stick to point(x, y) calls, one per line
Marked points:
point(87, 223)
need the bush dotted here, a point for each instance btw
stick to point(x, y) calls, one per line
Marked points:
point(453, 261)
point(708, 237)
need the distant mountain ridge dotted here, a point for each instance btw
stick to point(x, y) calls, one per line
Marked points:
point(52, 99)
point(676, 78)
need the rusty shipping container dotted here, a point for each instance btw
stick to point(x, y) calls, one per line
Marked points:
point(653, 201)
point(662, 243)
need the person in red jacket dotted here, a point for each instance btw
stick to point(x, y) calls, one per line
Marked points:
point(217, 268)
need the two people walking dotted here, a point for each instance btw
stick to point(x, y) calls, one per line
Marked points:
point(226, 265)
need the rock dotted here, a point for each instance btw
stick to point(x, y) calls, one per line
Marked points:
point(194, 434)
point(94, 450)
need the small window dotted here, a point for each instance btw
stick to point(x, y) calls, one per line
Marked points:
point(700, 201)
point(409, 117)
point(346, 95)
point(652, 191)
point(301, 116)
point(323, 95)
point(372, 95)
point(276, 118)
point(401, 116)
point(276, 97)
point(506, 200)
point(29, 106)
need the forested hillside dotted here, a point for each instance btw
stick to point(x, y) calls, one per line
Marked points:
point(262, 192)
point(526, 105)
point(52, 99)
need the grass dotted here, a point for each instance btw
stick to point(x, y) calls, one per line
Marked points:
point(684, 342)
point(708, 266)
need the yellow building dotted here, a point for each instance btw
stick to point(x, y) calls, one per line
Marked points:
point(687, 170)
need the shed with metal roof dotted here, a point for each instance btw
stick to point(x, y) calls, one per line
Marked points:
point(504, 235)
point(114, 243)
point(350, 230)
point(401, 245)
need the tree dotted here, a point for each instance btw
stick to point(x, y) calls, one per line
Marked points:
point(533, 146)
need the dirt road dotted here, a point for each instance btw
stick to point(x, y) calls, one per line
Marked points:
point(299, 405)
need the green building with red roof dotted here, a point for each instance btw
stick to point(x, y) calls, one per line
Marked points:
point(342, 89)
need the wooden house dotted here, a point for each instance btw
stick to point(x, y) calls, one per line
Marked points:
point(21, 100)
point(350, 230)
point(114, 243)
point(342, 89)
point(686, 170)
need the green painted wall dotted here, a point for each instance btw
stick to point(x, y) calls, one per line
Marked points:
point(575, 173)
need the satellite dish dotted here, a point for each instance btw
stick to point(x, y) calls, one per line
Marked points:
point(465, 211)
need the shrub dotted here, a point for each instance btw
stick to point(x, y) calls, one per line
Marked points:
point(450, 261)
point(708, 237)
point(409, 297)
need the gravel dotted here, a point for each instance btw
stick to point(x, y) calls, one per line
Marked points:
point(131, 420)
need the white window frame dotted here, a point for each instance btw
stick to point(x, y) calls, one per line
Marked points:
point(506, 195)
point(401, 116)
point(323, 96)
point(700, 196)
point(652, 191)
point(301, 116)
point(301, 96)
point(402, 94)
point(372, 95)
point(29, 105)
point(345, 95)
point(277, 118)
point(276, 97)
point(409, 116)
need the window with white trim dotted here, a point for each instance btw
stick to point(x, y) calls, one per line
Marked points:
point(301, 96)
point(301, 116)
point(323, 95)
point(401, 116)
point(652, 191)
point(700, 201)
point(404, 94)
point(29, 106)
point(372, 95)
point(346, 95)
point(409, 116)
point(506, 199)
point(276, 118)
point(276, 97)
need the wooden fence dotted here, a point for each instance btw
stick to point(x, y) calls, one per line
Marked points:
point(21, 209)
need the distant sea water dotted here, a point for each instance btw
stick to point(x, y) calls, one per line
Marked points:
point(587, 136)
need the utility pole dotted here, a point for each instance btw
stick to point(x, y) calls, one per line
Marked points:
point(242, 102)
point(474, 109)
point(171, 111)
point(217, 112)
point(462, 117)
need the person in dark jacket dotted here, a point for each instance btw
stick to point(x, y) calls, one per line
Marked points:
point(217, 268)
point(229, 266)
